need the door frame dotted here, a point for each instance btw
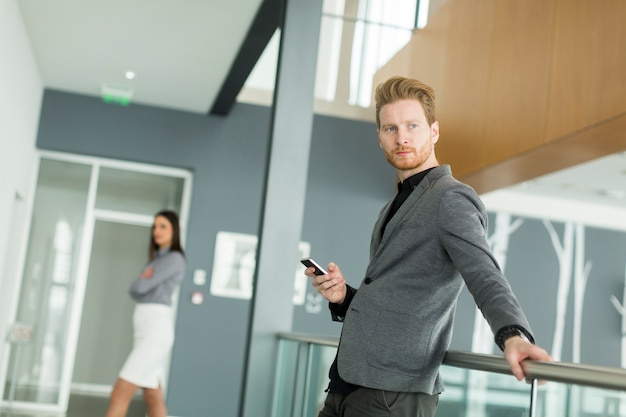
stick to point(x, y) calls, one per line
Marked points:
point(84, 254)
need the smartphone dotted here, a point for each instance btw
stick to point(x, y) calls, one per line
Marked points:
point(309, 262)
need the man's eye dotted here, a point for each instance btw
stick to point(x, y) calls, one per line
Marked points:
point(390, 128)
point(413, 125)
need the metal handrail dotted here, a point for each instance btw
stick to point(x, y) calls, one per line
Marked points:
point(569, 373)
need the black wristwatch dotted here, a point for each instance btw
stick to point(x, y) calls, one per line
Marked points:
point(508, 332)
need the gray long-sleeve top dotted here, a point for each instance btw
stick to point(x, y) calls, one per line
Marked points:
point(168, 272)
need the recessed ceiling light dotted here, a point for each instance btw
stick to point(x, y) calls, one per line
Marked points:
point(130, 75)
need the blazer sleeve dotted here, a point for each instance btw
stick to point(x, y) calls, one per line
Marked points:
point(338, 311)
point(463, 233)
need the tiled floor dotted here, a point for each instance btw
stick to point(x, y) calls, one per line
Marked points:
point(85, 406)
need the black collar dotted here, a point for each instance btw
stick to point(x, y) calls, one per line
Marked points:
point(410, 183)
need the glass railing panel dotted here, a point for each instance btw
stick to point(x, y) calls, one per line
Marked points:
point(578, 401)
point(477, 385)
point(286, 375)
point(482, 394)
point(301, 378)
point(321, 358)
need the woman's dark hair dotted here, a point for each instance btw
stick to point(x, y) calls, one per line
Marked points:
point(172, 217)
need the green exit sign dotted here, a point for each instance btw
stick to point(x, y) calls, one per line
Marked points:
point(115, 94)
point(111, 99)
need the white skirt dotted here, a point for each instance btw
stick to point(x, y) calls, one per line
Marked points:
point(152, 342)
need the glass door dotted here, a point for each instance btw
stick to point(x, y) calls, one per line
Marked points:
point(35, 366)
point(85, 211)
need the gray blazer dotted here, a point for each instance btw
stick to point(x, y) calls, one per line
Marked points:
point(398, 325)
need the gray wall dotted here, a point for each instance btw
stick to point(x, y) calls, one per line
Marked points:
point(532, 268)
point(227, 157)
point(348, 183)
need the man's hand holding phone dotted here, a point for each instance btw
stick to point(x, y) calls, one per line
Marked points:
point(328, 282)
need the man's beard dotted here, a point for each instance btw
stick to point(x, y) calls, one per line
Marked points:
point(406, 164)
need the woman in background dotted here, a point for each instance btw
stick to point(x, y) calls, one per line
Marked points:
point(152, 320)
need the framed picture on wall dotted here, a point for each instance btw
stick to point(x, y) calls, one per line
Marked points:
point(234, 263)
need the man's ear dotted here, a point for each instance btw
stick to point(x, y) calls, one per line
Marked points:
point(434, 132)
point(378, 136)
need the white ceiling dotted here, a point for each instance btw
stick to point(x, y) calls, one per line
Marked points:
point(602, 180)
point(182, 51)
point(593, 193)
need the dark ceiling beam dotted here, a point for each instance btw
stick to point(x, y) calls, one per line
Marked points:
point(265, 23)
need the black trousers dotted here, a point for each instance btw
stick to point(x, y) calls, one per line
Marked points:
point(366, 402)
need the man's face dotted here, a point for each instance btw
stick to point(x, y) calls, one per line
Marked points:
point(406, 138)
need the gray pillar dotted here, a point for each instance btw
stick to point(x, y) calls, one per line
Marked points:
point(283, 205)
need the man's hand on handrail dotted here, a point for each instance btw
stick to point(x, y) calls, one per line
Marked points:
point(518, 349)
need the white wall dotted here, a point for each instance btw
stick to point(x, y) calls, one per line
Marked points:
point(21, 91)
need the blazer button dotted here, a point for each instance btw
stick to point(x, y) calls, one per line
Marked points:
point(367, 280)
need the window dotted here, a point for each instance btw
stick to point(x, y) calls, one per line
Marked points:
point(357, 37)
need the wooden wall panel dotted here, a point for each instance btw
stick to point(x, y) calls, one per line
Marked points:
point(461, 65)
point(585, 145)
point(514, 78)
point(588, 81)
point(428, 59)
point(519, 77)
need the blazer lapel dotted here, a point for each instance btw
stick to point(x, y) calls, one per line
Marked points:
point(408, 205)
point(377, 233)
point(379, 239)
